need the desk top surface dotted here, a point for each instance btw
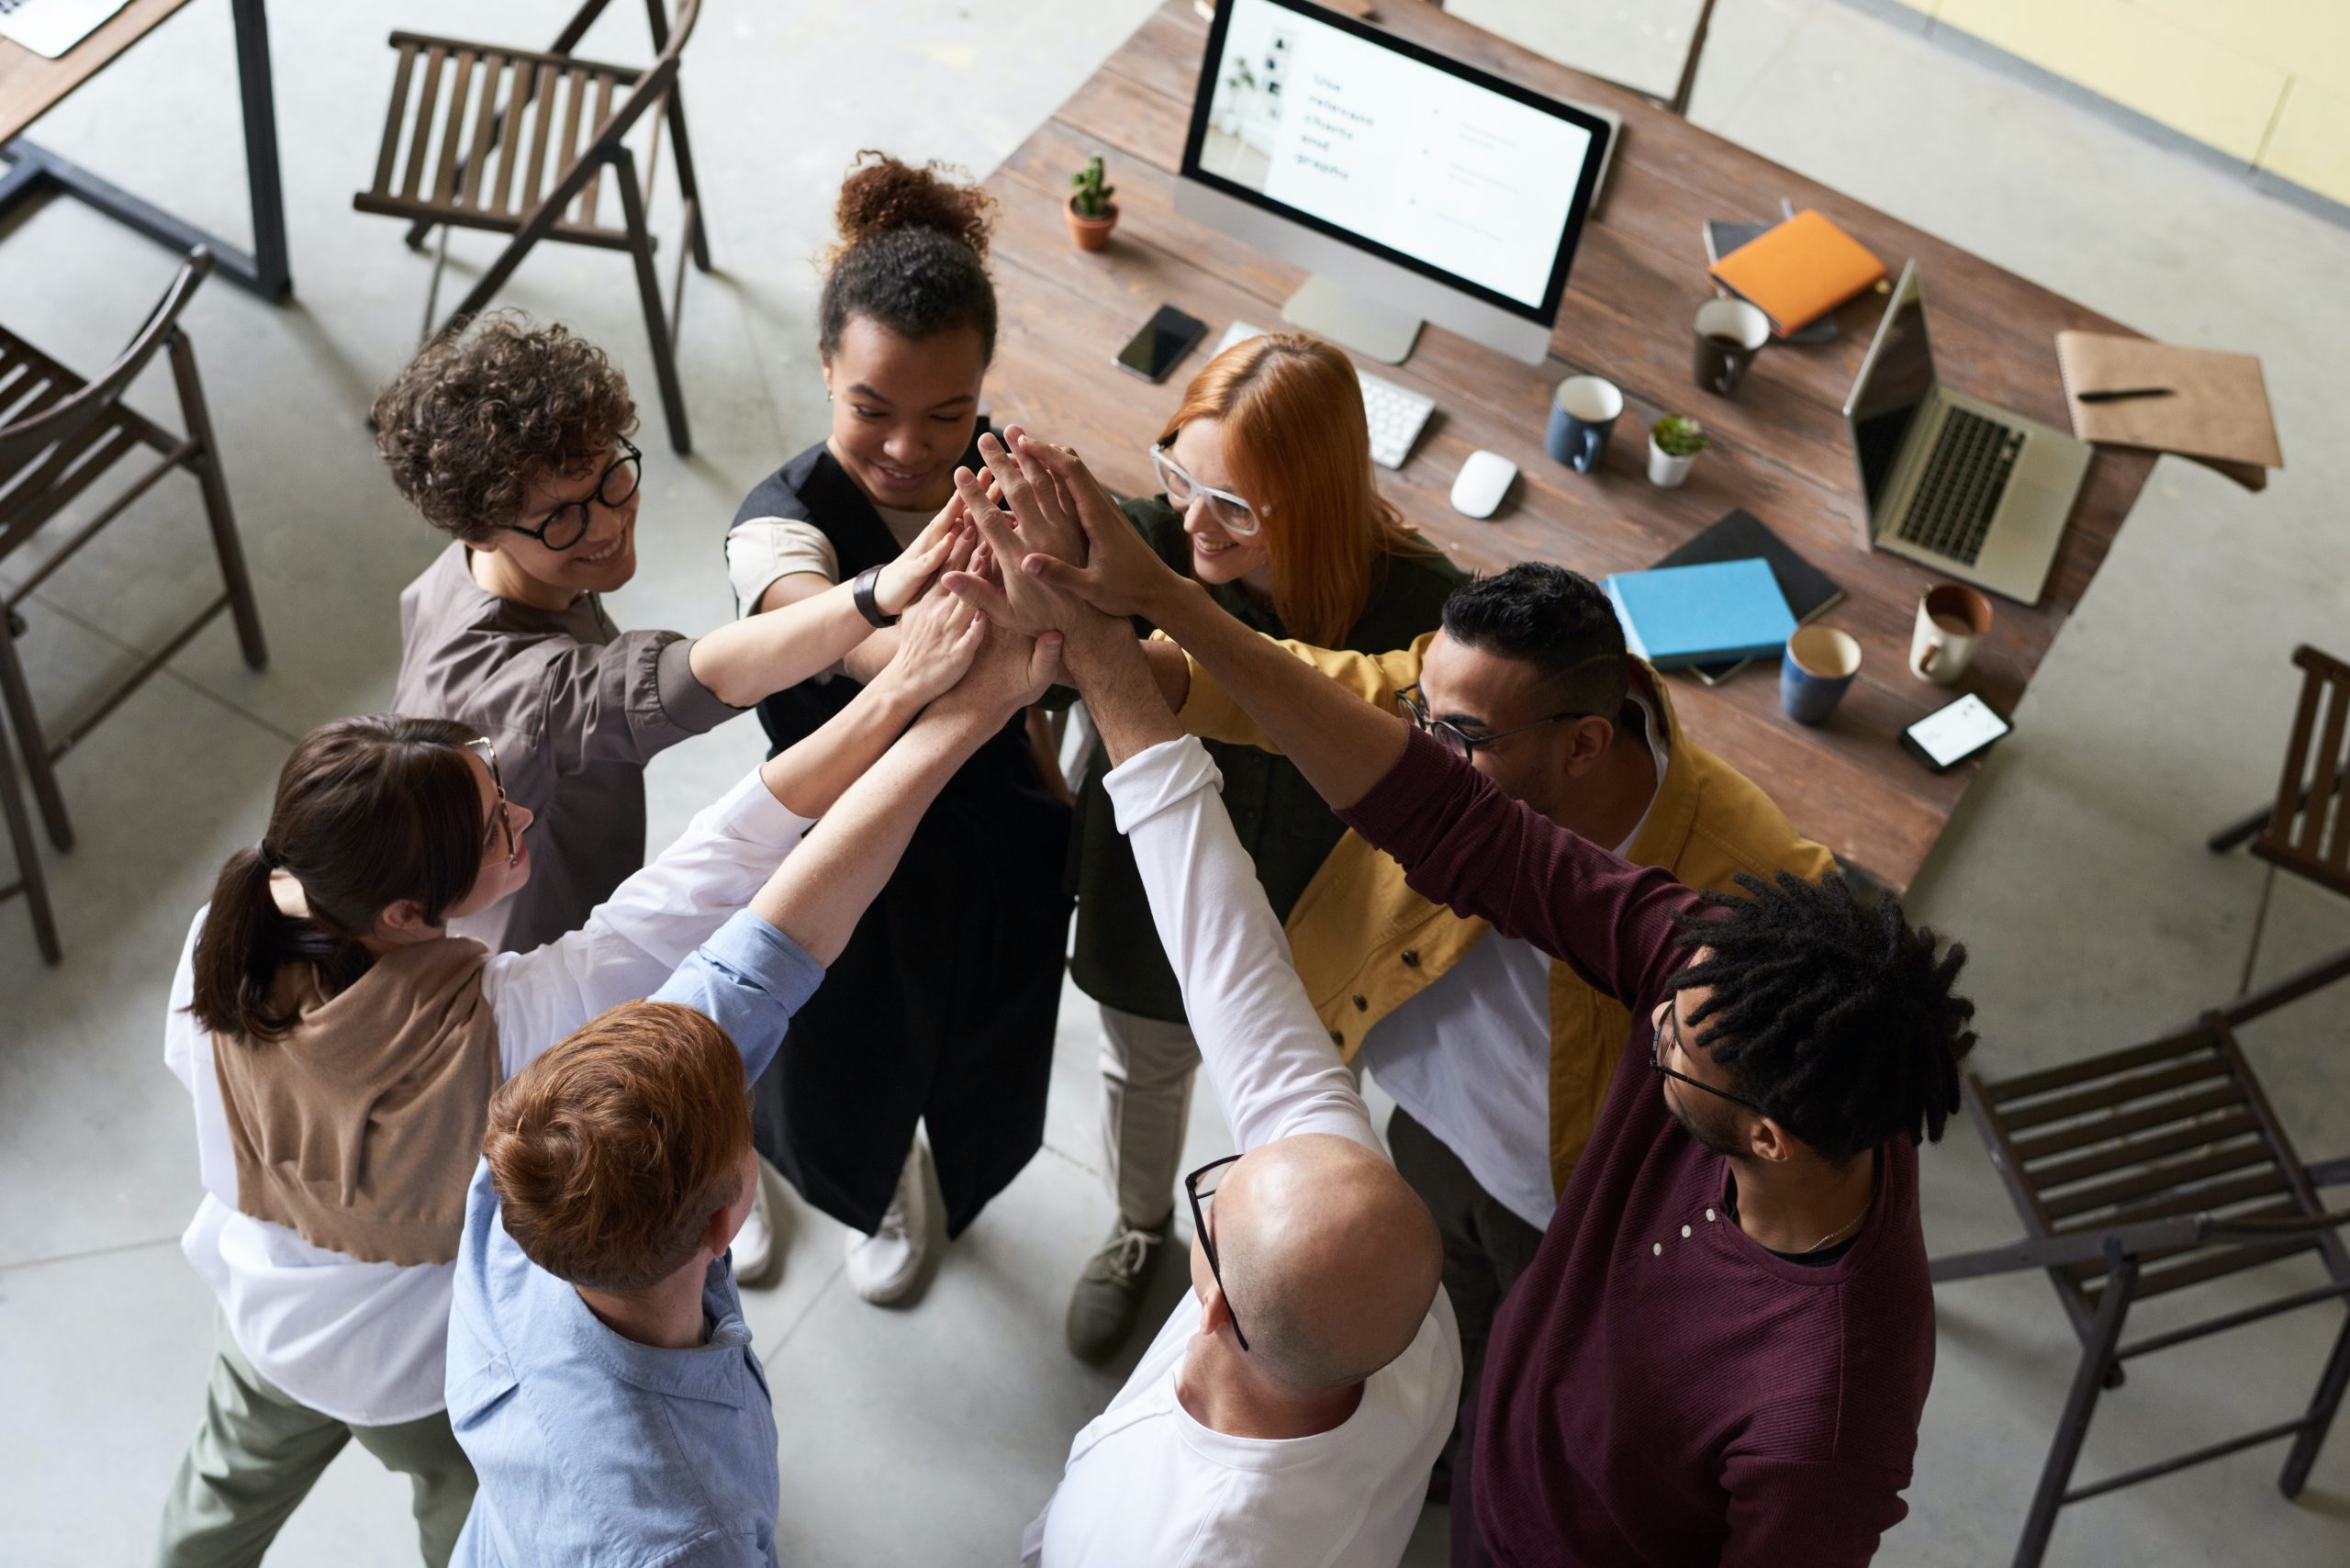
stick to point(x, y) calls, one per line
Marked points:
point(32, 85)
point(1781, 449)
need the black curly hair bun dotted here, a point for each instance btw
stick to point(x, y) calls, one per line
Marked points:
point(913, 253)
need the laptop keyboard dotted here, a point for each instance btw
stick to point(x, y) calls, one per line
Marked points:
point(1965, 476)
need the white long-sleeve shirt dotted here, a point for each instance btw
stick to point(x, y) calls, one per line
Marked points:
point(365, 1342)
point(1147, 1484)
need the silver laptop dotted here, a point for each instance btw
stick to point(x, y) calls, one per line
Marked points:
point(52, 27)
point(1964, 485)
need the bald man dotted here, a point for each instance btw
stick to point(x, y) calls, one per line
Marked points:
point(1289, 1411)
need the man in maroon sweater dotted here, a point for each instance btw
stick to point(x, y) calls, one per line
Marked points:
point(1722, 1351)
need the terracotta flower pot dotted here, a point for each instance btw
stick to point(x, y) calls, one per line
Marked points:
point(1091, 233)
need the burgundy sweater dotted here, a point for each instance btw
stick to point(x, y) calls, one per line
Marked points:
point(1660, 1388)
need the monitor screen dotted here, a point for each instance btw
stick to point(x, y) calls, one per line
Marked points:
point(1892, 386)
point(1422, 161)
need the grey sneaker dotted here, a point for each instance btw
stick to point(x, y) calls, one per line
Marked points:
point(1102, 1308)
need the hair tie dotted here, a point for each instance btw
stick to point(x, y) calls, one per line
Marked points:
point(261, 853)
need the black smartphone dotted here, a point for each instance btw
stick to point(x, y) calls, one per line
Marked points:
point(1948, 736)
point(1165, 339)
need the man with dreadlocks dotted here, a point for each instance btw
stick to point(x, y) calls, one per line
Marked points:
point(1722, 1348)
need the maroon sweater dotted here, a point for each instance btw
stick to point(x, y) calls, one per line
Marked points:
point(1660, 1388)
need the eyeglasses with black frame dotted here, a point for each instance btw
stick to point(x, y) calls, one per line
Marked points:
point(1207, 1242)
point(568, 525)
point(1681, 1043)
point(501, 820)
point(1412, 703)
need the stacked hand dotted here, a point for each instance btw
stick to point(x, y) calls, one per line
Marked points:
point(905, 580)
point(1069, 560)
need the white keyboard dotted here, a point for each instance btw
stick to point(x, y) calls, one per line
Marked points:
point(1397, 414)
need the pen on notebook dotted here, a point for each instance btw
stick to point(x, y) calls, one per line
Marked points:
point(2123, 394)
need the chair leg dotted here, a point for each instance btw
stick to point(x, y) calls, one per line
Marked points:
point(30, 738)
point(2239, 831)
point(32, 881)
point(2259, 924)
point(688, 189)
point(2072, 1426)
point(218, 513)
point(648, 284)
point(2323, 1406)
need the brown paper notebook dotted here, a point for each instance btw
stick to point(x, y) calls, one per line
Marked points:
point(2217, 412)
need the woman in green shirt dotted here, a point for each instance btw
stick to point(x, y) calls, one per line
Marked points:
point(1269, 499)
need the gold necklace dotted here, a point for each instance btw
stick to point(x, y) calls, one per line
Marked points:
point(1842, 1228)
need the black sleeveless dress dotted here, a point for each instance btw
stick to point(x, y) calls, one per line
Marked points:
point(943, 1004)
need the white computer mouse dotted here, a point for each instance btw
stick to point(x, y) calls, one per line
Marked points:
point(1484, 480)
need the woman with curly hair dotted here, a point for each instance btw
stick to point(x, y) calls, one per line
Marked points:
point(513, 437)
point(950, 986)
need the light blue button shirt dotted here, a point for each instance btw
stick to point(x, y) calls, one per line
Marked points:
point(591, 1448)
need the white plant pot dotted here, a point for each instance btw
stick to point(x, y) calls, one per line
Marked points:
point(1666, 471)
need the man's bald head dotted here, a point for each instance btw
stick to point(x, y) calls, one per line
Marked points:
point(1329, 1259)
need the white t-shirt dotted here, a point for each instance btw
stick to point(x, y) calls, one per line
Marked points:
point(1147, 1486)
point(1468, 1056)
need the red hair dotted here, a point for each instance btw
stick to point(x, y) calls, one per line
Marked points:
point(1298, 447)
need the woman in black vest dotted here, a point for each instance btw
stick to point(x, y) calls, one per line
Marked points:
point(948, 991)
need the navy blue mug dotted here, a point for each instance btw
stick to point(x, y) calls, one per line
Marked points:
point(1583, 414)
point(1816, 671)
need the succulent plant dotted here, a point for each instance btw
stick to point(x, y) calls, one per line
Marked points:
point(1679, 436)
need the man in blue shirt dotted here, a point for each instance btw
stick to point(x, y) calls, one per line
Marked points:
point(600, 1376)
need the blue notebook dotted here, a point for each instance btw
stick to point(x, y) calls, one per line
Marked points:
point(1686, 615)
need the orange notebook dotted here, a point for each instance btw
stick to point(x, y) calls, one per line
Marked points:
point(1799, 271)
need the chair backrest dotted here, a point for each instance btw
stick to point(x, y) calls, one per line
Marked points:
point(2174, 1127)
point(39, 450)
point(653, 86)
point(2308, 828)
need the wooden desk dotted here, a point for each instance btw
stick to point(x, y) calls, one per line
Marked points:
point(32, 84)
point(1780, 447)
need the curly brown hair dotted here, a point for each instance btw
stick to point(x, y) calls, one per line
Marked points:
point(913, 253)
point(491, 408)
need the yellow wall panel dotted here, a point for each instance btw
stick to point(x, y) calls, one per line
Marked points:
point(2305, 38)
point(2140, 59)
point(2311, 144)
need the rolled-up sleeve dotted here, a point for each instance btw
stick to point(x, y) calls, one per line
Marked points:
point(761, 549)
point(749, 978)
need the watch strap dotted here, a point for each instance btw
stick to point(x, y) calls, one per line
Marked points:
point(869, 602)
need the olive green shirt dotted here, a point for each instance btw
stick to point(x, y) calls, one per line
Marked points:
point(1283, 823)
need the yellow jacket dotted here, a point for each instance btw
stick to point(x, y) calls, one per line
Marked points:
point(1364, 942)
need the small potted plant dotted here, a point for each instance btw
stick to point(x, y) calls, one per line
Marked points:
point(1674, 444)
point(1092, 213)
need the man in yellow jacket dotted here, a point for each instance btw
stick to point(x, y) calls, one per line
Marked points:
point(1498, 1056)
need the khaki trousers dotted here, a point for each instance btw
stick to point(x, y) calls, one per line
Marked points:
point(259, 1451)
point(1146, 1070)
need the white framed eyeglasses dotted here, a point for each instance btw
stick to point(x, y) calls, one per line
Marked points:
point(1233, 513)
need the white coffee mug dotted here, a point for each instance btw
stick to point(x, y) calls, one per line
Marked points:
point(1951, 619)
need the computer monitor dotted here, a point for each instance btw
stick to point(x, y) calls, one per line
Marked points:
point(1414, 186)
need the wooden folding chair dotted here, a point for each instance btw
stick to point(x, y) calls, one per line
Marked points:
point(485, 149)
point(2149, 1171)
point(60, 434)
point(31, 885)
point(2306, 830)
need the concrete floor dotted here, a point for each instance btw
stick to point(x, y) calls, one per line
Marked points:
point(929, 1435)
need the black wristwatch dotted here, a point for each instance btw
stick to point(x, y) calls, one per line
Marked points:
point(868, 603)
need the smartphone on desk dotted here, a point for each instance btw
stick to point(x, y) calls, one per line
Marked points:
point(1948, 736)
point(1161, 343)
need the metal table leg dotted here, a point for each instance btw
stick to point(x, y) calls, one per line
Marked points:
point(262, 270)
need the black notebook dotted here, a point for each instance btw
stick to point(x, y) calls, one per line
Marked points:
point(1741, 535)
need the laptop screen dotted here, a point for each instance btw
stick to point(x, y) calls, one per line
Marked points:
point(1892, 386)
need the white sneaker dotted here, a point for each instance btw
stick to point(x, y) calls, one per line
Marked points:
point(759, 1262)
point(883, 1267)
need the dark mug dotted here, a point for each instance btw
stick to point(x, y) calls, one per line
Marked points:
point(1582, 415)
point(1816, 671)
point(1730, 332)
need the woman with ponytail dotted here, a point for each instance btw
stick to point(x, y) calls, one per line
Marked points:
point(951, 984)
point(342, 1047)
point(1268, 499)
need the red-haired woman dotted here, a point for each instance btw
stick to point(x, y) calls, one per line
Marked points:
point(1269, 499)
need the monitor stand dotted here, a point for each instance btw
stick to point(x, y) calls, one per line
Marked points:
point(1352, 320)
